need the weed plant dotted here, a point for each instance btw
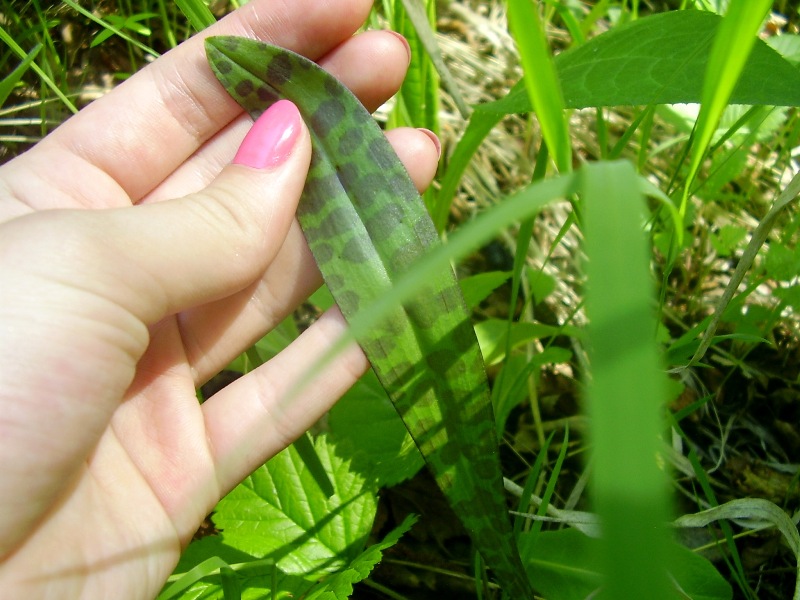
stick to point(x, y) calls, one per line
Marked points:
point(624, 222)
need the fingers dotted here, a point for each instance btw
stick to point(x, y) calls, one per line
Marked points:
point(159, 259)
point(258, 415)
point(160, 117)
point(372, 65)
point(216, 333)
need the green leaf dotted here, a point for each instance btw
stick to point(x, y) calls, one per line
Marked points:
point(782, 263)
point(340, 586)
point(658, 59)
point(131, 23)
point(477, 288)
point(541, 284)
point(279, 512)
point(493, 336)
point(727, 239)
point(365, 428)
point(566, 565)
point(366, 225)
point(756, 513)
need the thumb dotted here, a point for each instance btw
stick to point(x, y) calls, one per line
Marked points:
point(213, 243)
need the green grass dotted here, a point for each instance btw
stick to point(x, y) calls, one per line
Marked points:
point(640, 313)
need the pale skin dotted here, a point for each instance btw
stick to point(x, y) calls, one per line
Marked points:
point(109, 319)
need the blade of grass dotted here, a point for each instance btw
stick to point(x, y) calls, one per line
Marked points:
point(750, 253)
point(419, 18)
point(732, 45)
point(197, 13)
point(479, 126)
point(48, 81)
point(627, 390)
point(8, 83)
point(541, 80)
point(530, 483)
point(106, 25)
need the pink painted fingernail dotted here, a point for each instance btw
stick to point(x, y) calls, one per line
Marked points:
point(435, 139)
point(271, 139)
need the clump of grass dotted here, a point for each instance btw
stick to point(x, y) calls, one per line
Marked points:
point(729, 429)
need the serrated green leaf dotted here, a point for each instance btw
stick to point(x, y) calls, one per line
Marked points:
point(477, 288)
point(279, 512)
point(340, 586)
point(727, 239)
point(365, 428)
point(782, 263)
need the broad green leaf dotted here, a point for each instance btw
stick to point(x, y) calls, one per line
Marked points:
point(280, 513)
point(782, 263)
point(658, 59)
point(567, 565)
point(340, 585)
point(756, 513)
point(788, 46)
point(541, 285)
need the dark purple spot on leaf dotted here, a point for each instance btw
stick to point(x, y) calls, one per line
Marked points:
point(323, 253)
point(267, 95)
point(353, 251)
point(244, 88)
point(350, 141)
point(279, 70)
point(384, 223)
point(381, 153)
point(349, 174)
point(328, 116)
point(223, 66)
point(348, 301)
point(333, 87)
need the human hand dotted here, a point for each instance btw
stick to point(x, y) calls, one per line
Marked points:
point(109, 319)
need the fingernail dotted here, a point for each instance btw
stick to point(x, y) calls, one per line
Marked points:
point(435, 139)
point(400, 37)
point(271, 138)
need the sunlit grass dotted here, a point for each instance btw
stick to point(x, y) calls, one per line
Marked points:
point(622, 324)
